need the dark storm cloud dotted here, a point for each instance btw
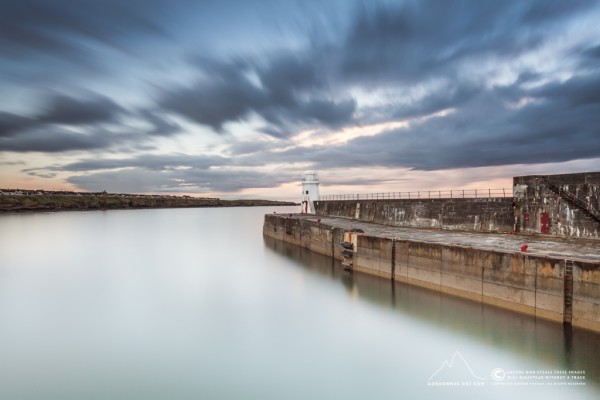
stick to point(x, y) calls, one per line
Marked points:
point(46, 175)
point(62, 31)
point(148, 162)
point(11, 124)
point(71, 111)
point(160, 125)
point(62, 109)
point(48, 138)
point(41, 133)
point(416, 43)
point(593, 52)
point(53, 140)
point(451, 96)
point(225, 95)
point(289, 93)
point(420, 39)
point(169, 172)
point(405, 43)
point(416, 58)
point(285, 74)
point(194, 180)
point(577, 93)
point(560, 123)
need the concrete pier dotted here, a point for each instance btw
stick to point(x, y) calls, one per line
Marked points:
point(484, 267)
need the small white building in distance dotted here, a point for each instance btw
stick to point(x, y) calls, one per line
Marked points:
point(310, 192)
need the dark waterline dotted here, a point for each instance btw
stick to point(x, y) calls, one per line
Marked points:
point(194, 303)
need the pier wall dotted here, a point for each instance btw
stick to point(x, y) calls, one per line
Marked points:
point(478, 214)
point(518, 281)
point(544, 204)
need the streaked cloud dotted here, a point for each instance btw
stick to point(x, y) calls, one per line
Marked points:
point(141, 95)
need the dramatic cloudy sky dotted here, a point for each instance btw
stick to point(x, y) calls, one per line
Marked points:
point(239, 98)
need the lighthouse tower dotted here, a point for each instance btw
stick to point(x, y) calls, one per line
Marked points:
point(310, 192)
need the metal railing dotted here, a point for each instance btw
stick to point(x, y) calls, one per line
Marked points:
point(425, 194)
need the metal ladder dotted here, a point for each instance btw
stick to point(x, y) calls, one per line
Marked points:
point(568, 293)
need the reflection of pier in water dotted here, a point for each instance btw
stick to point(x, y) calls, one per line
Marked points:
point(563, 346)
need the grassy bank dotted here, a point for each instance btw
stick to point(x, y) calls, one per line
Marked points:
point(15, 203)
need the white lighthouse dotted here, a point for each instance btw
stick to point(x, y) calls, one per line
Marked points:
point(310, 192)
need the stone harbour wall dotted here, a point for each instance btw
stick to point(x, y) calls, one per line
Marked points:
point(493, 214)
point(544, 204)
point(527, 283)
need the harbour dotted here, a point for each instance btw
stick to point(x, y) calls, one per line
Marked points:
point(195, 303)
point(553, 274)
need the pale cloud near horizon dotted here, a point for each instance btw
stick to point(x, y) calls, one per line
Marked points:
point(376, 96)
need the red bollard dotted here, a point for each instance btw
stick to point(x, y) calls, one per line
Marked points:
point(524, 247)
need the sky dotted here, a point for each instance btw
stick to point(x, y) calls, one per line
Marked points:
point(238, 99)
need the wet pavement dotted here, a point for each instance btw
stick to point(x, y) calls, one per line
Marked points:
point(564, 248)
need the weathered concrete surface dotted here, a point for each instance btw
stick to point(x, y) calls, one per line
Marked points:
point(483, 215)
point(483, 267)
point(541, 210)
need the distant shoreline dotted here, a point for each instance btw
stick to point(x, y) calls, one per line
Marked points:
point(10, 203)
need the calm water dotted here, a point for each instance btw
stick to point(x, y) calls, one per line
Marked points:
point(195, 304)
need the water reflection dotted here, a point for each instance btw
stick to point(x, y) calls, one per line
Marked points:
point(191, 304)
point(557, 346)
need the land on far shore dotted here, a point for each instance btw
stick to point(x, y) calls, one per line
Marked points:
point(15, 200)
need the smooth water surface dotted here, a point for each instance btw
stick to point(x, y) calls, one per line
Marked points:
point(195, 304)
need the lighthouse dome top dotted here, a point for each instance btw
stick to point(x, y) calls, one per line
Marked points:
point(311, 176)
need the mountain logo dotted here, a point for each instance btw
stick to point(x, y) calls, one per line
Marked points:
point(456, 372)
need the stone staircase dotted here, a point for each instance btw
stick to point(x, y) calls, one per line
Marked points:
point(573, 199)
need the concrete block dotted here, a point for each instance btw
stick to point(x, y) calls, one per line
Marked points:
point(462, 283)
point(547, 268)
point(425, 275)
point(549, 315)
point(366, 263)
point(521, 296)
point(509, 278)
point(401, 258)
point(461, 293)
point(586, 291)
point(509, 294)
point(586, 313)
point(424, 284)
point(552, 286)
point(462, 261)
point(510, 305)
point(549, 302)
point(385, 266)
